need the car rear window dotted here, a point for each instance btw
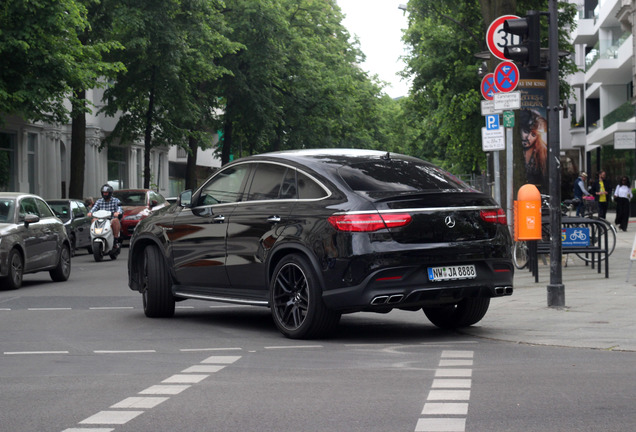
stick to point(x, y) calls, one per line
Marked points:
point(399, 176)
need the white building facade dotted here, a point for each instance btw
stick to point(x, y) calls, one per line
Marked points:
point(602, 111)
point(36, 158)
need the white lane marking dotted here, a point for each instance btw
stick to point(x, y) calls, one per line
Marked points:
point(184, 379)
point(112, 417)
point(165, 389)
point(445, 408)
point(452, 363)
point(441, 425)
point(209, 349)
point(34, 352)
point(453, 395)
point(140, 402)
point(453, 372)
point(451, 383)
point(457, 354)
point(203, 369)
point(293, 347)
point(111, 308)
point(88, 430)
point(50, 309)
point(124, 351)
point(221, 359)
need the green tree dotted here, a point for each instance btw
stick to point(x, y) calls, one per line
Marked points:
point(170, 52)
point(42, 57)
point(296, 83)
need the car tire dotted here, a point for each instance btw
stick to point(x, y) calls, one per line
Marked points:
point(63, 269)
point(16, 268)
point(295, 299)
point(467, 312)
point(156, 285)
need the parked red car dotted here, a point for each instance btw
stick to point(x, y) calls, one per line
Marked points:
point(137, 204)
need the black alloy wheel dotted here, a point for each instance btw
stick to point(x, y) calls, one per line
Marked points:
point(296, 303)
point(63, 269)
point(156, 290)
point(16, 268)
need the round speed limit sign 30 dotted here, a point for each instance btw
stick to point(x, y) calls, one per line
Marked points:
point(497, 39)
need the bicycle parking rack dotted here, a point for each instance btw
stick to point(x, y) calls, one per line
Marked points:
point(596, 252)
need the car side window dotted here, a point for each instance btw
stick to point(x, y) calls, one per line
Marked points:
point(43, 209)
point(308, 188)
point(79, 210)
point(28, 206)
point(267, 181)
point(225, 186)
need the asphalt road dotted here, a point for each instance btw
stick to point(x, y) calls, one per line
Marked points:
point(81, 356)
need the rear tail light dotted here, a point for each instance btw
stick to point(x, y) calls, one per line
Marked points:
point(369, 222)
point(494, 216)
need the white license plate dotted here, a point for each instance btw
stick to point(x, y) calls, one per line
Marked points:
point(452, 273)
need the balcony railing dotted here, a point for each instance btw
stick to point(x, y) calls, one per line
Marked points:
point(609, 50)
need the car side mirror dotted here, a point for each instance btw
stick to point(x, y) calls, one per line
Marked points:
point(185, 198)
point(30, 218)
point(153, 203)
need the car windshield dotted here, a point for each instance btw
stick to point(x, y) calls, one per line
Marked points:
point(61, 210)
point(7, 211)
point(131, 198)
point(380, 176)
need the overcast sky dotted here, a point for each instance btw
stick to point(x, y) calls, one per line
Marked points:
point(379, 24)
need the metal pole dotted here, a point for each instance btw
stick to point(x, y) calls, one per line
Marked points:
point(556, 289)
point(495, 155)
point(509, 197)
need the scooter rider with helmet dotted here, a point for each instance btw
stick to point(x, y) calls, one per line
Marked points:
point(112, 204)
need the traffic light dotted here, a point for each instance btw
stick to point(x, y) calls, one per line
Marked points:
point(529, 51)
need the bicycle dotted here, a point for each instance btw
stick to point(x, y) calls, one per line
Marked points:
point(520, 253)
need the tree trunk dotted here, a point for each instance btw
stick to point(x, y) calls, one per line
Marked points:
point(78, 146)
point(191, 164)
point(148, 134)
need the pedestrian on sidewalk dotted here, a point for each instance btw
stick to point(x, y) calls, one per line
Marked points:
point(579, 191)
point(623, 195)
point(600, 189)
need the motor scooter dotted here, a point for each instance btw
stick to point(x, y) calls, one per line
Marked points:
point(102, 238)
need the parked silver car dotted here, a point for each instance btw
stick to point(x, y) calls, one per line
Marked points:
point(32, 239)
point(78, 226)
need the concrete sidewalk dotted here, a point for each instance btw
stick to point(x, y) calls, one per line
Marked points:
point(599, 313)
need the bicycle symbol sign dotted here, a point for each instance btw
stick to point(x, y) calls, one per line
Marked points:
point(573, 237)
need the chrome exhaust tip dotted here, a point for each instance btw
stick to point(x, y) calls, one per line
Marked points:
point(379, 300)
point(396, 298)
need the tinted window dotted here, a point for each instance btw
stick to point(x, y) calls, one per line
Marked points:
point(6, 210)
point(267, 182)
point(28, 206)
point(43, 209)
point(399, 176)
point(288, 189)
point(61, 210)
point(308, 188)
point(225, 187)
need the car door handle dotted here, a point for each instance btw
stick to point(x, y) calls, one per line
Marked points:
point(219, 219)
point(273, 219)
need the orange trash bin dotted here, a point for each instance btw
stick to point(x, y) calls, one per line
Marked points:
point(527, 213)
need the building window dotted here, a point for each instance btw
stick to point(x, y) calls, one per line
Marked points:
point(181, 153)
point(117, 173)
point(32, 142)
point(7, 162)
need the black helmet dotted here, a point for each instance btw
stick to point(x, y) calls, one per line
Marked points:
point(107, 191)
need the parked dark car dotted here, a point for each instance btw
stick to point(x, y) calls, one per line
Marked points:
point(137, 205)
point(78, 225)
point(32, 239)
point(314, 234)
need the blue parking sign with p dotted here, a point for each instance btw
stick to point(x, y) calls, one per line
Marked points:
point(492, 122)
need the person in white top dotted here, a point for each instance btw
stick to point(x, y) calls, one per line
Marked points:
point(623, 195)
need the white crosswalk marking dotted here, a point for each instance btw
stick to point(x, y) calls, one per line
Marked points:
point(443, 411)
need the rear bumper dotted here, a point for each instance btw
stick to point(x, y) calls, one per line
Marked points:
point(409, 287)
